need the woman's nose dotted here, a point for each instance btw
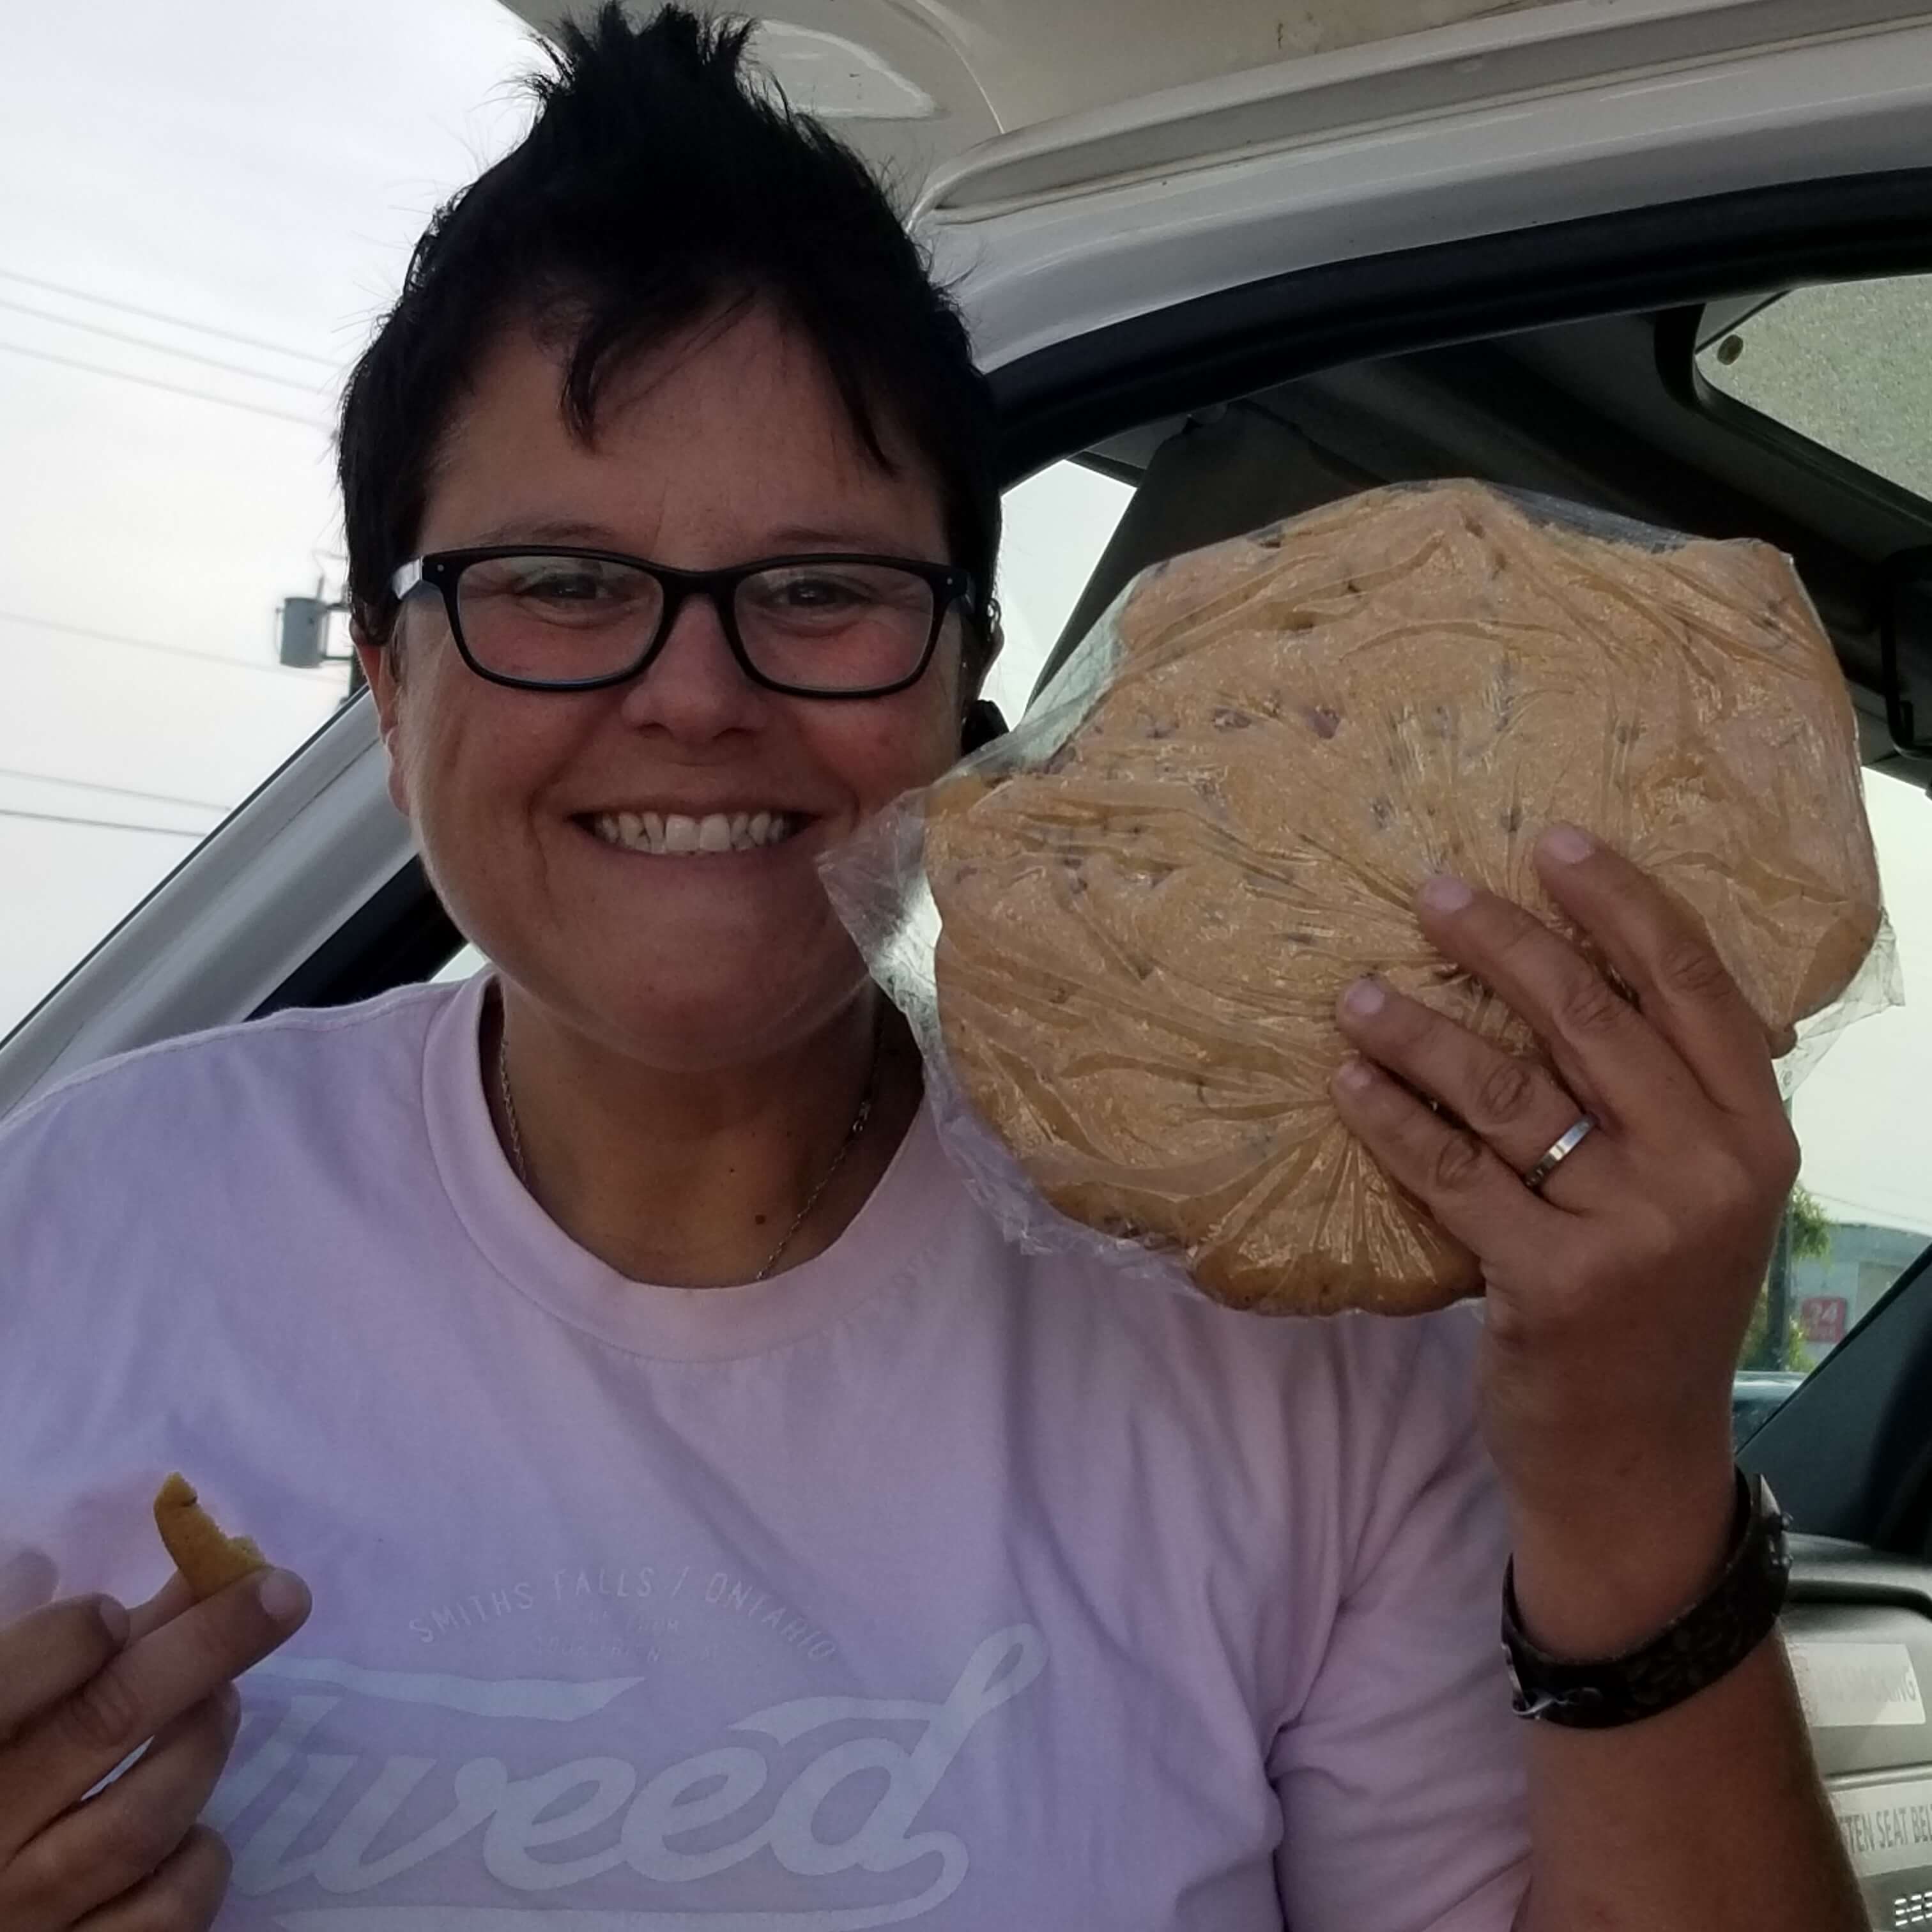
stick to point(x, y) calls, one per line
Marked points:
point(694, 687)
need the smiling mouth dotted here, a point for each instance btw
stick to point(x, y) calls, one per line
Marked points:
point(673, 833)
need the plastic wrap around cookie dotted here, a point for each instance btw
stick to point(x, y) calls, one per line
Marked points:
point(1150, 895)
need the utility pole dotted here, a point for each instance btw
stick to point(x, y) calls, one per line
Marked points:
point(1778, 1287)
point(1778, 1297)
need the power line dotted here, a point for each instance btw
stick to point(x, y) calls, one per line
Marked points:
point(172, 389)
point(161, 348)
point(143, 643)
point(119, 791)
point(103, 824)
point(157, 315)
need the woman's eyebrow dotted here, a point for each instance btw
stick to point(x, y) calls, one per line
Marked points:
point(553, 529)
point(859, 537)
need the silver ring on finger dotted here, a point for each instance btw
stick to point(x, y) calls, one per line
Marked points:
point(1560, 1150)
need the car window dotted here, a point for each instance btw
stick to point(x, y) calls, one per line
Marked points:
point(1862, 1211)
point(216, 213)
point(1057, 523)
point(1843, 364)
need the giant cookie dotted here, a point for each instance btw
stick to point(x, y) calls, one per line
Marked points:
point(1144, 935)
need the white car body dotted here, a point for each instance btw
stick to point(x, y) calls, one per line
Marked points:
point(1065, 206)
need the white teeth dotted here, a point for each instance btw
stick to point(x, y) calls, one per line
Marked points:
point(675, 832)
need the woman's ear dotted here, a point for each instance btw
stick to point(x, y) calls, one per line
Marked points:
point(379, 670)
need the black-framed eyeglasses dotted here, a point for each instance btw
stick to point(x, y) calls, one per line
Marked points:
point(554, 617)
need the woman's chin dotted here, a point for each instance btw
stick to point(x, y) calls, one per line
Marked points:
point(704, 1008)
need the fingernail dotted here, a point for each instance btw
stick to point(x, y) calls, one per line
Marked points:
point(283, 1596)
point(1444, 893)
point(1566, 844)
point(113, 1617)
point(1353, 1074)
point(1365, 997)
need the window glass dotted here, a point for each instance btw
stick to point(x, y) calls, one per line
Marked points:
point(1844, 364)
point(1862, 1213)
point(218, 212)
point(1057, 523)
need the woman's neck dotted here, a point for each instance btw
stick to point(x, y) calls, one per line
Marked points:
point(694, 1180)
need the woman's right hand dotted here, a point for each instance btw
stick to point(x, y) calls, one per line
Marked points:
point(83, 1684)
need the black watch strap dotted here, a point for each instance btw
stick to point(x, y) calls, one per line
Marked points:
point(1710, 1640)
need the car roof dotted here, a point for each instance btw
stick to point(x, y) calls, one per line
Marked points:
point(936, 92)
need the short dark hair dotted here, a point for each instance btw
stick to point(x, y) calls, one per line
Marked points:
point(657, 185)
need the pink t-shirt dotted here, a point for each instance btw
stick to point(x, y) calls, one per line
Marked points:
point(928, 1583)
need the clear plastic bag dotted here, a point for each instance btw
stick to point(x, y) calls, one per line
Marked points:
point(1155, 889)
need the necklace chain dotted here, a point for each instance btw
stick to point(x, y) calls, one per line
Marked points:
point(811, 1200)
point(510, 1108)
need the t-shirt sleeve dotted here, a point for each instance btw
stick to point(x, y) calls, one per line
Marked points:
point(1401, 1776)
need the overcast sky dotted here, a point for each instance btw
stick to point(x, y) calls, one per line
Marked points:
point(217, 197)
point(258, 173)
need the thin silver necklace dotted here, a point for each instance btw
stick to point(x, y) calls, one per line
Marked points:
point(811, 1200)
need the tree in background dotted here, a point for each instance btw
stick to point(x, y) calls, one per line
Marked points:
point(1811, 1227)
point(1806, 1237)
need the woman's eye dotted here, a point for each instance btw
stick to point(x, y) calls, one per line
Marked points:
point(562, 587)
point(818, 593)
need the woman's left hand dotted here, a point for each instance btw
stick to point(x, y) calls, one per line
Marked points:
point(1618, 1294)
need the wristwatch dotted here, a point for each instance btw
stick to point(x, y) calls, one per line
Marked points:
point(1695, 1649)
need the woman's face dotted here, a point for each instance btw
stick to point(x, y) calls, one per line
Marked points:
point(729, 446)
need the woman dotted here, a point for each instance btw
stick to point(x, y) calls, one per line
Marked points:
point(709, 1520)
